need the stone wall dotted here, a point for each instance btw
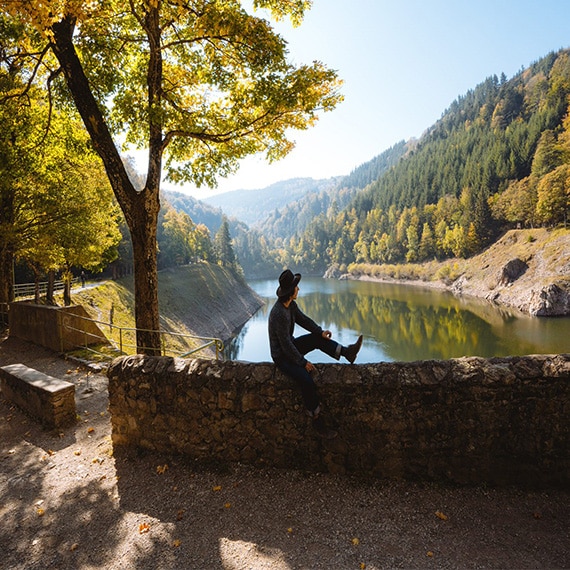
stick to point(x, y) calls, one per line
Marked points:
point(468, 420)
point(49, 400)
point(57, 328)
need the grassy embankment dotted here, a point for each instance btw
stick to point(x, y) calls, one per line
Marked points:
point(200, 300)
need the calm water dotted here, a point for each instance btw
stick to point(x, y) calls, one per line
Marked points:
point(404, 323)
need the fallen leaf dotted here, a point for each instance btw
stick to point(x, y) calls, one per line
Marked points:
point(227, 505)
point(537, 516)
point(217, 488)
point(180, 515)
point(73, 547)
point(440, 515)
point(90, 430)
point(362, 566)
point(143, 528)
point(430, 553)
point(176, 543)
point(355, 541)
point(41, 512)
point(289, 530)
point(161, 469)
point(77, 452)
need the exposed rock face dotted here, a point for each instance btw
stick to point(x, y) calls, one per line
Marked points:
point(512, 271)
point(549, 301)
point(333, 272)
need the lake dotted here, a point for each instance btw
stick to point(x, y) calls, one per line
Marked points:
point(404, 323)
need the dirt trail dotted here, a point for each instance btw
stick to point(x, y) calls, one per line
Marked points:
point(69, 501)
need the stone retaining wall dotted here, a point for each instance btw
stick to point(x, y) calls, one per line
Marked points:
point(468, 420)
point(58, 328)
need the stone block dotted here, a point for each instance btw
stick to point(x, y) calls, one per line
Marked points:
point(49, 400)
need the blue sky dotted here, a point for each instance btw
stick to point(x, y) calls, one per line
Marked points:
point(403, 63)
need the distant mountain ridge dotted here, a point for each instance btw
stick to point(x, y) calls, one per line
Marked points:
point(253, 206)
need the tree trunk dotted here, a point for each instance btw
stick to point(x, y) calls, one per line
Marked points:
point(8, 246)
point(143, 231)
point(50, 300)
point(6, 275)
point(140, 208)
point(67, 280)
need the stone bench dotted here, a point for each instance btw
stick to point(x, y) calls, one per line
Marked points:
point(49, 400)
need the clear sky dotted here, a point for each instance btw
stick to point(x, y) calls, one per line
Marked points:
point(403, 63)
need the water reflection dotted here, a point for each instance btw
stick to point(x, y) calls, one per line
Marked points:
point(405, 323)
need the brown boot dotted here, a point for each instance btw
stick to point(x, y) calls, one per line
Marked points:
point(352, 350)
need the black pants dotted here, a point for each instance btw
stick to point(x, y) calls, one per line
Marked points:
point(303, 379)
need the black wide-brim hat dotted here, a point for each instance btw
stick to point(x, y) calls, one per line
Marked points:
point(287, 283)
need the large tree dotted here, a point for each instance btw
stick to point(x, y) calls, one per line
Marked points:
point(199, 83)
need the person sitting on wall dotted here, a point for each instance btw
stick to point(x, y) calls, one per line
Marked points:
point(288, 352)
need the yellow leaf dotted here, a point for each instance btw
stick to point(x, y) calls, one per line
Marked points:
point(90, 430)
point(143, 528)
point(41, 512)
point(176, 543)
point(228, 505)
point(161, 469)
point(77, 452)
point(289, 530)
point(430, 553)
point(74, 546)
point(440, 515)
point(355, 541)
point(217, 488)
point(362, 566)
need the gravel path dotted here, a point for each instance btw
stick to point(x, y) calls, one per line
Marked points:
point(68, 501)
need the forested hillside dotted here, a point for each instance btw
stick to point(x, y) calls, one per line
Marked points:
point(498, 158)
point(296, 216)
point(277, 212)
point(253, 250)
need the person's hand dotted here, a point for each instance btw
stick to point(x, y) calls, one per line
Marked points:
point(327, 334)
point(309, 367)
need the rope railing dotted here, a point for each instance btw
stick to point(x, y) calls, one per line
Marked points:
point(122, 340)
